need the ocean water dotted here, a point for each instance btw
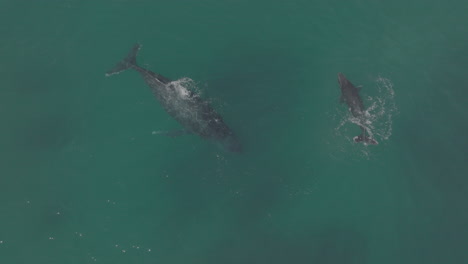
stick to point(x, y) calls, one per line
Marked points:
point(86, 178)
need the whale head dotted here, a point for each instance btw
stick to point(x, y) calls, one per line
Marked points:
point(342, 80)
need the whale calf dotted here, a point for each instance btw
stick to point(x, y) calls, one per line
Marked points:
point(350, 96)
point(192, 112)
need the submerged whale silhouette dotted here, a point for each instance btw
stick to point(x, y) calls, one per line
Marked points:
point(193, 113)
point(350, 96)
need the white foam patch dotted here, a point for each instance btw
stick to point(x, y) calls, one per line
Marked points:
point(378, 117)
point(383, 108)
point(183, 94)
point(184, 87)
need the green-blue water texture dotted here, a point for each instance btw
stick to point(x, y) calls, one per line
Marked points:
point(87, 177)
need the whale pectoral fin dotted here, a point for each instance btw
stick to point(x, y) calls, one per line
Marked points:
point(127, 63)
point(173, 133)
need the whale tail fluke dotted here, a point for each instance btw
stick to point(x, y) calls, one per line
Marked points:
point(365, 139)
point(126, 63)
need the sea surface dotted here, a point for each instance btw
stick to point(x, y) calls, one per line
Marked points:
point(88, 176)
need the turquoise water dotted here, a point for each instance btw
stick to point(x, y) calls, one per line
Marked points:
point(85, 180)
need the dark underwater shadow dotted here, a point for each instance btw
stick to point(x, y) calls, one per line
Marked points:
point(434, 172)
point(40, 123)
point(42, 119)
point(434, 167)
point(435, 126)
point(49, 132)
point(345, 246)
point(331, 246)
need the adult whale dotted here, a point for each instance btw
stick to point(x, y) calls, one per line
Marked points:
point(350, 96)
point(193, 113)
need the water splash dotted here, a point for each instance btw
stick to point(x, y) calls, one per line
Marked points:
point(382, 109)
point(378, 117)
point(185, 87)
point(182, 95)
